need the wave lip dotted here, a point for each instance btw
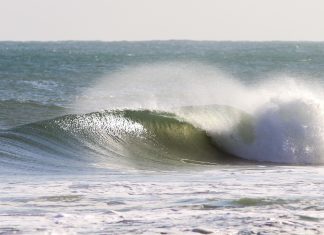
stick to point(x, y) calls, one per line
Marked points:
point(280, 131)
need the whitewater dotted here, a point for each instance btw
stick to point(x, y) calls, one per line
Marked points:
point(161, 137)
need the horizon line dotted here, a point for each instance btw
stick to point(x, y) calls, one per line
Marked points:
point(157, 40)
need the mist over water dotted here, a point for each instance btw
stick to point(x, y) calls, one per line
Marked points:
point(161, 87)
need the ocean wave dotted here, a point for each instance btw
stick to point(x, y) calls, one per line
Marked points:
point(165, 116)
point(112, 139)
point(278, 120)
point(18, 112)
point(203, 135)
point(288, 131)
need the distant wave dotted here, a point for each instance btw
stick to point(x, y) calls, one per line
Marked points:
point(18, 112)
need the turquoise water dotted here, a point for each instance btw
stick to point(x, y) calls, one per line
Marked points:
point(163, 136)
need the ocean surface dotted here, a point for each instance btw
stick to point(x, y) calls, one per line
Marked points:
point(162, 137)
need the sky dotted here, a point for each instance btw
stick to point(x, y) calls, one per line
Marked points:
point(133, 20)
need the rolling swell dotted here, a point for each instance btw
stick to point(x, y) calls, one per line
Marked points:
point(26, 111)
point(109, 139)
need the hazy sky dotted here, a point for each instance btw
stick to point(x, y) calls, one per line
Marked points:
point(111, 20)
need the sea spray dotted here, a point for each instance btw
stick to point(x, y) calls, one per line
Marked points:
point(264, 121)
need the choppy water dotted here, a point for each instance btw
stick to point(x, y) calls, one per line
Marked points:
point(162, 137)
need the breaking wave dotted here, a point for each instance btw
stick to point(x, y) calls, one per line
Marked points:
point(166, 116)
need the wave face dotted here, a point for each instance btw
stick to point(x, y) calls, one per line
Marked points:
point(111, 139)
